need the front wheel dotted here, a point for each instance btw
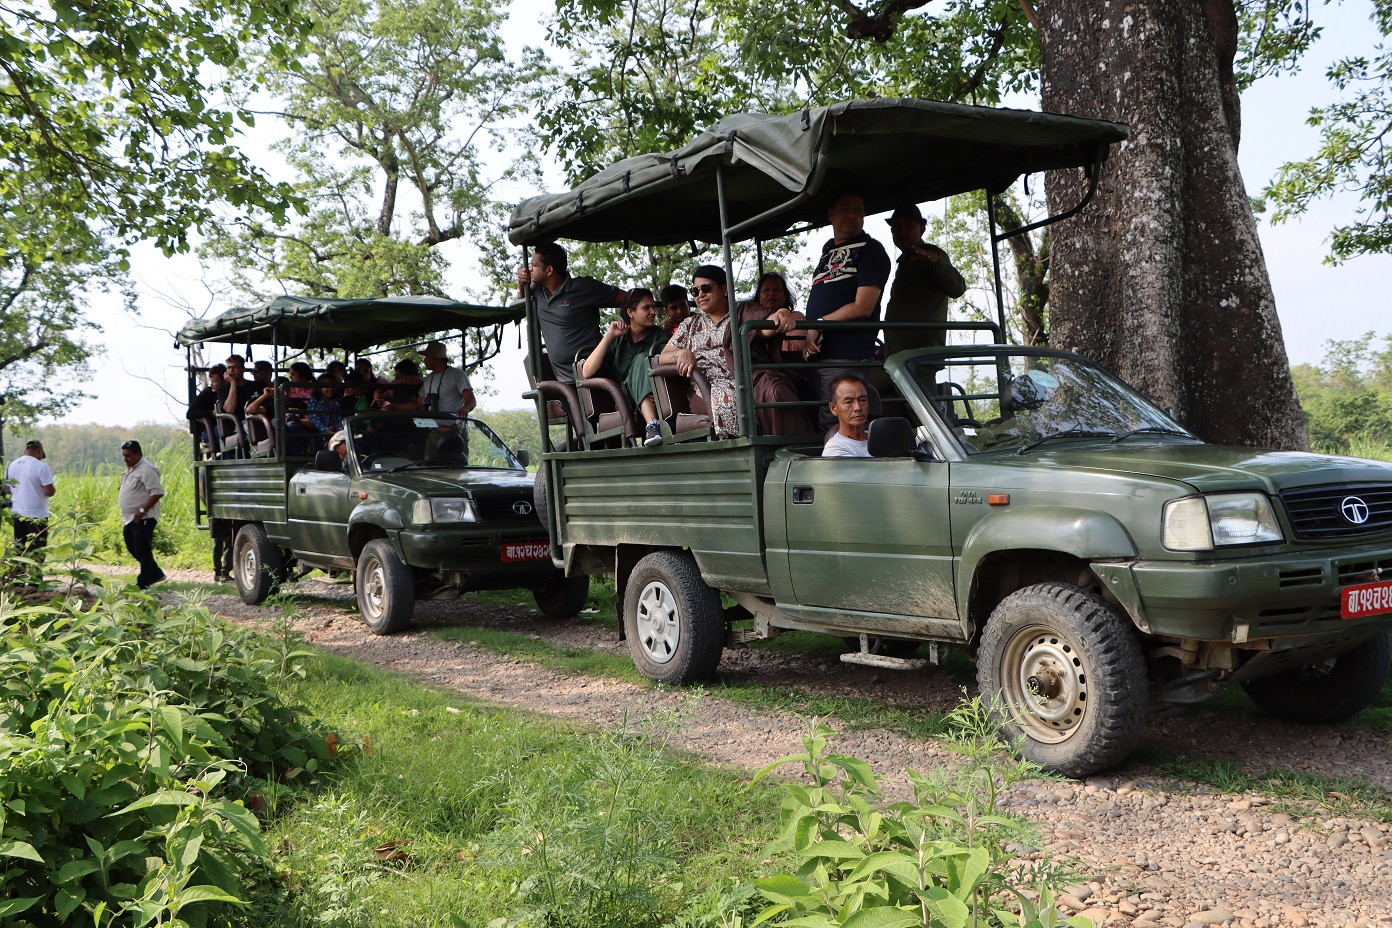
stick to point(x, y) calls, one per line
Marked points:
point(1065, 677)
point(256, 564)
point(1329, 691)
point(563, 596)
point(386, 593)
point(673, 621)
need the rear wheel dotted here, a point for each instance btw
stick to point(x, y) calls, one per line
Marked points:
point(563, 597)
point(539, 498)
point(1329, 691)
point(386, 592)
point(1065, 677)
point(256, 564)
point(672, 619)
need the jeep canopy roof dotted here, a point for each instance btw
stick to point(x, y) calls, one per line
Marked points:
point(780, 171)
point(300, 322)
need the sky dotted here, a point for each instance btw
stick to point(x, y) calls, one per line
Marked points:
point(1316, 302)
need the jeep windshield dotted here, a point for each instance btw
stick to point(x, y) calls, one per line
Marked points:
point(1020, 400)
point(389, 442)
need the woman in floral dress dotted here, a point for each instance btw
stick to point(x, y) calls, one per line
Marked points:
point(702, 342)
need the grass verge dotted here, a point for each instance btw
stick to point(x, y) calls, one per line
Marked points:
point(452, 813)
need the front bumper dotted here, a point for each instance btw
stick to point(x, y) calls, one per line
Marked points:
point(1289, 599)
point(471, 551)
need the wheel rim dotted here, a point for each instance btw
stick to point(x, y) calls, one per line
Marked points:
point(1045, 684)
point(659, 623)
point(374, 589)
point(249, 567)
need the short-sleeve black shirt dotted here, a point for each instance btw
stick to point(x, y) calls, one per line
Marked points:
point(570, 320)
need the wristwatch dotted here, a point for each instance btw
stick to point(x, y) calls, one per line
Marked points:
point(141, 511)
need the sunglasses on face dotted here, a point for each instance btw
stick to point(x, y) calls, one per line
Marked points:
point(702, 288)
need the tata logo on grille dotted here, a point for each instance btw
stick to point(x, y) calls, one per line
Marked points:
point(524, 508)
point(1355, 510)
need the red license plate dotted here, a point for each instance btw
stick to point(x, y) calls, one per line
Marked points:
point(526, 551)
point(1355, 602)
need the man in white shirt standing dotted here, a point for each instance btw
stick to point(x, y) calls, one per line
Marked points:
point(446, 389)
point(139, 501)
point(33, 485)
point(850, 403)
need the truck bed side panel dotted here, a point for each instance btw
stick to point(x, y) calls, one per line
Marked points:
point(249, 491)
point(707, 499)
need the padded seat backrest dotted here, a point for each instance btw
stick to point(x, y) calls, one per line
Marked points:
point(682, 402)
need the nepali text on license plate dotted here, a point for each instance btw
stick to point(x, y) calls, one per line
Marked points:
point(527, 551)
point(1365, 599)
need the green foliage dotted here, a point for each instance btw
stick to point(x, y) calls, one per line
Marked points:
point(943, 859)
point(1347, 398)
point(516, 427)
point(129, 738)
point(112, 115)
point(1352, 154)
point(75, 450)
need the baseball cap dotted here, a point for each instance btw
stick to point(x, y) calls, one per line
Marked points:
point(434, 350)
point(338, 438)
point(34, 444)
point(907, 211)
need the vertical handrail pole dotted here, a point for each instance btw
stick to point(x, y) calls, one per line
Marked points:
point(995, 260)
point(744, 397)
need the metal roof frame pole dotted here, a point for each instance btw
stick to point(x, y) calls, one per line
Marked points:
point(995, 259)
point(744, 391)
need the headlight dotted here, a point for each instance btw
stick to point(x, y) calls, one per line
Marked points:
point(1243, 519)
point(426, 511)
point(1198, 523)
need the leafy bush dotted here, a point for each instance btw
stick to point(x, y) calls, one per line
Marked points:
point(1347, 397)
point(945, 859)
point(128, 740)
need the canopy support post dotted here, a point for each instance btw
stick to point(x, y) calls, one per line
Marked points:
point(744, 397)
point(995, 259)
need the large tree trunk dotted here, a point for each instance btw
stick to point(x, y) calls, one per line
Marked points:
point(1162, 277)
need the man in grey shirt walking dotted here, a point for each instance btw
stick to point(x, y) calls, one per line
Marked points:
point(139, 502)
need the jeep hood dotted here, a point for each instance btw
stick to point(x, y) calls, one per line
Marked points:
point(458, 481)
point(1209, 468)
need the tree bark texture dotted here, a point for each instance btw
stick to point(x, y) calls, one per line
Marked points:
point(1162, 277)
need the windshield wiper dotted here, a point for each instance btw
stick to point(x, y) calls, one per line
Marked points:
point(1155, 429)
point(406, 465)
point(1069, 433)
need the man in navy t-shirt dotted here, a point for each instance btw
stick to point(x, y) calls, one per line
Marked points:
point(846, 287)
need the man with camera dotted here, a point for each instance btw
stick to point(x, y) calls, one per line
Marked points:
point(446, 389)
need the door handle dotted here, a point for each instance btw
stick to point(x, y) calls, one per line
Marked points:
point(802, 495)
point(300, 490)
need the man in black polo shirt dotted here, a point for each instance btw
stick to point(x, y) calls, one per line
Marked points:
point(567, 307)
point(846, 287)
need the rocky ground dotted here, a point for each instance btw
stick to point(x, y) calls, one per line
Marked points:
point(1159, 852)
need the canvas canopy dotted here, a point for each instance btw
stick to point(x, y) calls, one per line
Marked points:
point(892, 151)
point(299, 322)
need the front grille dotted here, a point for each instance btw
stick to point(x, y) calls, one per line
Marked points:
point(1317, 513)
point(499, 508)
point(1303, 576)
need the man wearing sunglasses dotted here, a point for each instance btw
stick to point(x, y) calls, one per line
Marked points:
point(845, 287)
point(567, 307)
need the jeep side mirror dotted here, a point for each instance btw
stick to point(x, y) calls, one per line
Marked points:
point(891, 437)
point(524, 457)
point(328, 461)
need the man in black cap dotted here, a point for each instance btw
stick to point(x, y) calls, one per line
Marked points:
point(567, 307)
point(139, 502)
point(924, 280)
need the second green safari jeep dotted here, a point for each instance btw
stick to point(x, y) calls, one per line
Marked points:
point(1095, 555)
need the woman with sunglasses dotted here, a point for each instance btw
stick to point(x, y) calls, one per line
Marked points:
point(702, 341)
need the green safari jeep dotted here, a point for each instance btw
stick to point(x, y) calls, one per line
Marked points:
point(420, 505)
point(1024, 503)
